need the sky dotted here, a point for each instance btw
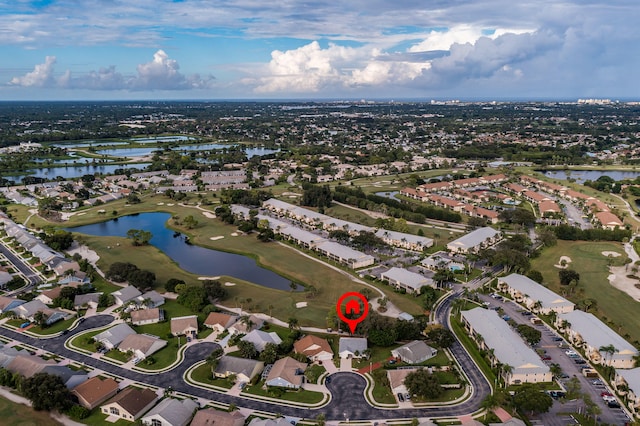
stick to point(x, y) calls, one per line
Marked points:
point(319, 49)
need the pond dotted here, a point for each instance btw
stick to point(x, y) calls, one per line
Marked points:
point(138, 152)
point(388, 194)
point(88, 144)
point(581, 176)
point(192, 258)
point(70, 172)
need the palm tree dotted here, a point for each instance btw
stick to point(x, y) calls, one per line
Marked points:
point(506, 373)
point(608, 349)
point(293, 323)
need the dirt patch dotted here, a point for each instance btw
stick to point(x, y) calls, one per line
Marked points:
point(229, 284)
point(85, 252)
point(209, 215)
point(620, 279)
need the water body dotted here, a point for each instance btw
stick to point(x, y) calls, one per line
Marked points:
point(137, 152)
point(583, 175)
point(192, 258)
point(88, 144)
point(388, 194)
point(70, 172)
point(163, 139)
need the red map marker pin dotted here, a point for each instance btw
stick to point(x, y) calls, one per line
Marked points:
point(356, 304)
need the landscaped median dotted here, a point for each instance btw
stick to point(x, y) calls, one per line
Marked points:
point(199, 375)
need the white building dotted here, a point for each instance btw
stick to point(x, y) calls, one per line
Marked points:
point(493, 333)
point(407, 280)
point(474, 241)
point(533, 295)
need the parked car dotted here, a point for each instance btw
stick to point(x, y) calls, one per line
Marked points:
point(25, 324)
point(579, 361)
point(546, 358)
point(570, 352)
point(558, 339)
point(400, 397)
point(613, 404)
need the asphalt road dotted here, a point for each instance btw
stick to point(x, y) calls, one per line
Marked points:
point(20, 265)
point(347, 389)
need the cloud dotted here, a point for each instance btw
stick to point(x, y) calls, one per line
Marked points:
point(41, 76)
point(162, 73)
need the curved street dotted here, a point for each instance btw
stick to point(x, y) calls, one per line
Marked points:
point(347, 389)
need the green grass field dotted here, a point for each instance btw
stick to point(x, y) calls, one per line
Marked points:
point(614, 307)
point(14, 414)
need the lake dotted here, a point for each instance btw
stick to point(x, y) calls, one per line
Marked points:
point(138, 152)
point(192, 258)
point(70, 172)
point(583, 175)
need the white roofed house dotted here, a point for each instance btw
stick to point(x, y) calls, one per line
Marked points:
point(601, 344)
point(141, 345)
point(345, 255)
point(414, 352)
point(89, 300)
point(534, 296)
point(150, 299)
point(186, 325)
point(403, 240)
point(246, 324)
point(476, 240)
point(260, 339)
point(147, 316)
point(244, 369)
point(114, 336)
point(352, 347)
point(406, 280)
point(505, 347)
point(171, 412)
point(28, 311)
point(286, 373)
point(126, 294)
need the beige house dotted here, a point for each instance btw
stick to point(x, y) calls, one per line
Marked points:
point(533, 295)
point(210, 417)
point(219, 321)
point(95, 391)
point(141, 345)
point(314, 347)
point(187, 325)
point(627, 384)
point(286, 373)
point(129, 404)
point(147, 316)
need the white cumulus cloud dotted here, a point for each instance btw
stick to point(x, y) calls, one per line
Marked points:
point(162, 73)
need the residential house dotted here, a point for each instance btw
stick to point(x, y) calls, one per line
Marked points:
point(260, 339)
point(352, 347)
point(7, 354)
point(354, 259)
point(28, 310)
point(243, 326)
point(88, 300)
point(5, 278)
point(70, 378)
point(186, 325)
point(406, 280)
point(403, 240)
point(588, 332)
point(211, 417)
point(171, 412)
point(492, 334)
point(95, 391)
point(244, 369)
point(315, 348)
point(533, 295)
point(150, 299)
point(129, 404)
point(286, 373)
point(474, 241)
point(126, 294)
point(219, 321)
point(396, 379)
point(27, 365)
point(9, 303)
point(114, 336)
point(142, 345)
point(147, 316)
point(608, 220)
point(414, 352)
point(48, 296)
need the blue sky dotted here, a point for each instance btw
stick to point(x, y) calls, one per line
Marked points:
point(285, 49)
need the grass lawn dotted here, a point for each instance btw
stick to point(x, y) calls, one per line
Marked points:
point(202, 374)
point(14, 414)
point(117, 355)
point(378, 354)
point(447, 395)
point(54, 328)
point(84, 340)
point(614, 307)
point(303, 396)
point(98, 419)
point(313, 372)
point(381, 390)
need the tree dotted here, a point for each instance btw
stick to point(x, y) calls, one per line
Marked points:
point(141, 278)
point(171, 284)
point(190, 222)
point(105, 300)
point(214, 290)
point(568, 275)
point(530, 334)
point(441, 337)
point(529, 398)
point(120, 271)
point(535, 276)
point(293, 323)
point(40, 318)
point(214, 358)
point(269, 354)
point(247, 349)
point(140, 237)
point(424, 384)
point(443, 276)
point(609, 350)
point(194, 298)
point(46, 392)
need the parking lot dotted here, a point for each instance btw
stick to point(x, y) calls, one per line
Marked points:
point(555, 350)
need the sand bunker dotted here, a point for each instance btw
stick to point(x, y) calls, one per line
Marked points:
point(611, 254)
point(161, 204)
point(171, 204)
point(85, 252)
point(229, 284)
point(219, 237)
point(621, 281)
point(234, 234)
point(209, 215)
point(208, 278)
point(563, 262)
point(301, 305)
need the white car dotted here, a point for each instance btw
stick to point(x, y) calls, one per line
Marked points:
point(570, 352)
